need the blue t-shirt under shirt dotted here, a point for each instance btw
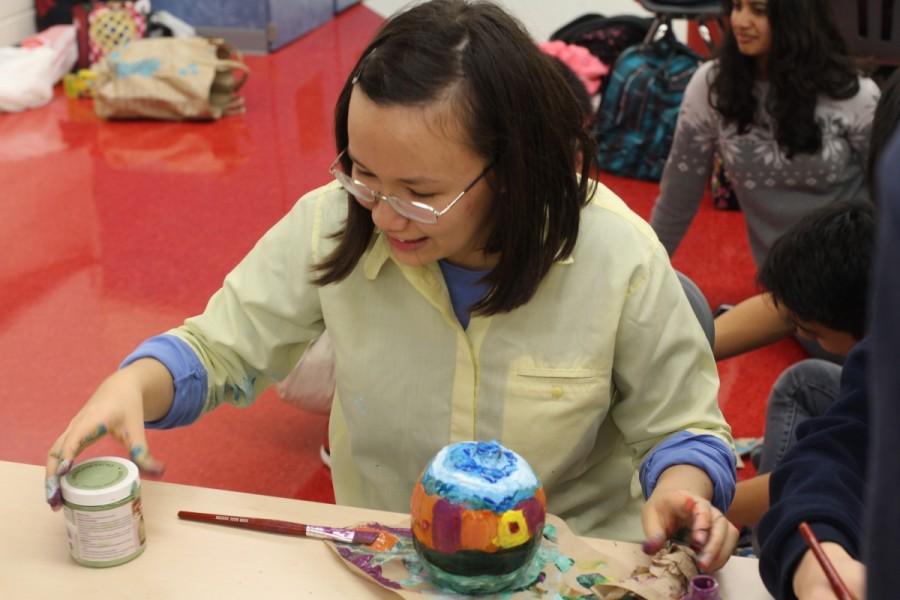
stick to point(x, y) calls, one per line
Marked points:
point(466, 289)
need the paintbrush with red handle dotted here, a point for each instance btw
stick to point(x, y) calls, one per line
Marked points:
point(837, 584)
point(335, 534)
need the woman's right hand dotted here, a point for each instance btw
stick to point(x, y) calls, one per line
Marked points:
point(115, 408)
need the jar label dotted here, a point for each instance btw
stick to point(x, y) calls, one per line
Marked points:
point(106, 535)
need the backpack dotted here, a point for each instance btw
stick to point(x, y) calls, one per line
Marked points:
point(636, 121)
point(604, 37)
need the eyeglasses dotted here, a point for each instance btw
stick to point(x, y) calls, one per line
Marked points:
point(412, 210)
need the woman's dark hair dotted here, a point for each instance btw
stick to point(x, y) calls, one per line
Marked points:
point(819, 269)
point(577, 87)
point(885, 122)
point(518, 113)
point(808, 58)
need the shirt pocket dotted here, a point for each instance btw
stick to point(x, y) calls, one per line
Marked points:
point(552, 414)
point(553, 383)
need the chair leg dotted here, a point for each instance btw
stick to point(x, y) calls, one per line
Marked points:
point(703, 29)
point(659, 22)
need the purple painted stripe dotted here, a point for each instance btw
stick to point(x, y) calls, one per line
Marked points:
point(397, 531)
point(447, 524)
point(534, 514)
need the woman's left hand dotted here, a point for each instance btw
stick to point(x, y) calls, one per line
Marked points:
point(712, 536)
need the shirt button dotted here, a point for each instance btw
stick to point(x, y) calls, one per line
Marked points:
point(556, 392)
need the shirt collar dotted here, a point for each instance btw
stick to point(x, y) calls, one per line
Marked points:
point(381, 252)
point(376, 257)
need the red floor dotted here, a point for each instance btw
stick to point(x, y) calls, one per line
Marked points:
point(112, 232)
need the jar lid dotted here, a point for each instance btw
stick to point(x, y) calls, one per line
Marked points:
point(99, 481)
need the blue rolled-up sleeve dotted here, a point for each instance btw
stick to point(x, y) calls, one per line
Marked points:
point(705, 452)
point(188, 374)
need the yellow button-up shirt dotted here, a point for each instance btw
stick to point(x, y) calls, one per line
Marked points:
point(603, 363)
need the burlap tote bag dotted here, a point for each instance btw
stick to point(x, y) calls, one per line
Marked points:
point(170, 78)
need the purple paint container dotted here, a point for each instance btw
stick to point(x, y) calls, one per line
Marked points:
point(703, 587)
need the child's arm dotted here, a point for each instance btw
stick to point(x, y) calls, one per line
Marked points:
point(753, 323)
point(689, 164)
point(751, 501)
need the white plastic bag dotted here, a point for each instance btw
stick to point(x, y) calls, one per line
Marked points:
point(310, 386)
point(28, 73)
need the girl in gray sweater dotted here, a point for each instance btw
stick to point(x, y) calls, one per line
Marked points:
point(789, 114)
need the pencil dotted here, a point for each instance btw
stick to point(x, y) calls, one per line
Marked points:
point(837, 584)
point(336, 534)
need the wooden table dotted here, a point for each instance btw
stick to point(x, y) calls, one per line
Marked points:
point(196, 560)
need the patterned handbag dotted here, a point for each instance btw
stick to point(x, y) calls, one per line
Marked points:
point(101, 26)
point(111, 25)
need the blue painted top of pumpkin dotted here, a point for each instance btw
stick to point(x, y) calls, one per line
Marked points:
point(480, 476)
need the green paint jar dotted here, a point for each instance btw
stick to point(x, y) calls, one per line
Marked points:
point(102, 507)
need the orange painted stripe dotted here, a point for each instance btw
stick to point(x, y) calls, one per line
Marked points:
point(479, 530)
point(422, 514)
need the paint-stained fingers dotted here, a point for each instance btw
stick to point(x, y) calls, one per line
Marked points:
point(70, 444)
point(732, 537)
point(55, 457)
point(89, 438)
point(653, 543)
point(722, 541)
point(701, 519)
point(60, 459)
point(62, 456)
point(57, 466)
point(145, 461)
point(135, 439)
point(659, 523)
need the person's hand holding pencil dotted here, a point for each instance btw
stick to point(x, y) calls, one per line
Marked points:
point(812, 582)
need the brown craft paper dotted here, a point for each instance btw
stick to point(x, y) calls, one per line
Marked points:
point(571, 568)
point(171, 79)
point(665, 577)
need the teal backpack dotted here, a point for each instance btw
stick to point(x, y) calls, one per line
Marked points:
point(639, 109)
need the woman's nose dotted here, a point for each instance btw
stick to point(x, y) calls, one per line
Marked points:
point(386, 218)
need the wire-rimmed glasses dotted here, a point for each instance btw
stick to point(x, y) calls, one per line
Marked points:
point(411, 209)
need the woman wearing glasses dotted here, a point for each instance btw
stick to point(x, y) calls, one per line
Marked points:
point(475, 287)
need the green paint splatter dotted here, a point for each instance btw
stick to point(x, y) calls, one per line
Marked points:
point(589, 580)
point(541, 579)
point(550, 533)
point(563, 563)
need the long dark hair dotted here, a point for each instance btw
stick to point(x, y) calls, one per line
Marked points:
point(519, 113)
point(808, 58)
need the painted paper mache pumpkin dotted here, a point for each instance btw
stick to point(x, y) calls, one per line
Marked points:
point(477, 517)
